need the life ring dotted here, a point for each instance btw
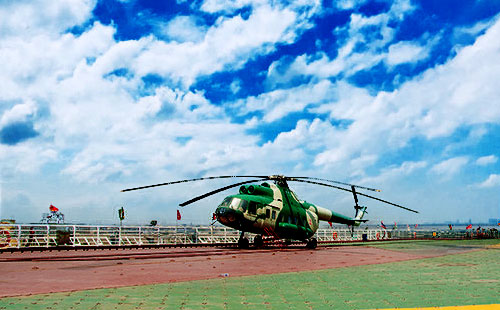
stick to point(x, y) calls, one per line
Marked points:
point(4, 238)
point(378, 235)
point(334, 235)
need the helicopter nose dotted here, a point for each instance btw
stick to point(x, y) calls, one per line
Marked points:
point(226, 215)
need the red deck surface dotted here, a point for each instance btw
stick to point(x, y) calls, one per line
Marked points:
point(48, 272)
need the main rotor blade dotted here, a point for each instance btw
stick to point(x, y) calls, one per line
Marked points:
point(353, 189)
point(197, 179)
point(337, 182)
point(217, 191)
point(358, 193)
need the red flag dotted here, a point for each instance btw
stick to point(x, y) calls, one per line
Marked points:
point(178, 215)
point(214, 216)
point(382, 224)
point(53, 209)
point(416, 225)
point(331, 225)
point(468, 226)
point(451, 226)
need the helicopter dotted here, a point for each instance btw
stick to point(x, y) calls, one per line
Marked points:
point(272, 209)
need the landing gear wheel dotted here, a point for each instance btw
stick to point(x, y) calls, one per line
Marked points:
point(258, 242)
point(312, 244)
point(243, 243)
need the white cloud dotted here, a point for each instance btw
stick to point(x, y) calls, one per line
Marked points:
point(457, 93)
point(357, 33)
point(215, 6)
point(28, 18)
point(184, 29)
point(32, 66)
point(449, 167)
point(280, 103)
point(93, 120)
point(492, 181)
point(404, 52)
point(486, 160)
point(229, 43)
point(348, 4)
point(18, 113)
point(395, 172)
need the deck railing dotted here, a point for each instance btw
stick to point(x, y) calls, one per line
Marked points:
point(51, 235)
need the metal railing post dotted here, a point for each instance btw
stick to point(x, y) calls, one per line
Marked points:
point(48, 236)
point(158, 237)
point(140, 236)
point(99, 235)
point(19, 236)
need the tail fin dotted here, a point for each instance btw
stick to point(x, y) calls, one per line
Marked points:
point(360, 212)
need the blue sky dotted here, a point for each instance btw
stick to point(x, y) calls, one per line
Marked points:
point(98, 96)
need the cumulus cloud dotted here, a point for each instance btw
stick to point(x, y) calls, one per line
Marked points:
point(486, 160)
point(449, 167)
point(492, 181)
point(360, 49)
point(403, 52)
point(226, 45)
point(18, 113)
point(280, 103)
point(394, 172)
point(29, 18)
point(348, 4)
point(184, 29)
point(215, 6)
point(458, 93)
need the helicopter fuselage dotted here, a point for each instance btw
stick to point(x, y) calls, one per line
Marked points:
point(274, 210)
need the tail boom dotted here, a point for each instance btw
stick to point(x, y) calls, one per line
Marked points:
point(330, 216)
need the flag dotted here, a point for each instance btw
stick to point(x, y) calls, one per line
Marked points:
point(53, 209)
point(408, 227)
point(468, 226)
point(214, 216)
point(395, 225)
point(178, 215)
point(331, 225)
point(382, 224)
point(498, 223)
point(416, 225)
point(121, 214)
point(451, 227)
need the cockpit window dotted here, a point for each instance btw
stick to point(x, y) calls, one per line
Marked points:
point(235, 203)
point(226, 202)
point(243, 205)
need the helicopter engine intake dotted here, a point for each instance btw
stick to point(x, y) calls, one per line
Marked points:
point(258, 190)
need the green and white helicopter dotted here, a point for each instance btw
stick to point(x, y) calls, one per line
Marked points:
point(274, 210)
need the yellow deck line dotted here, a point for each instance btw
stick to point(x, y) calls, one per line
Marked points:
point(472, 307)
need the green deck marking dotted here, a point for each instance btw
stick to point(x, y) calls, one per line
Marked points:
point(451, 280)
